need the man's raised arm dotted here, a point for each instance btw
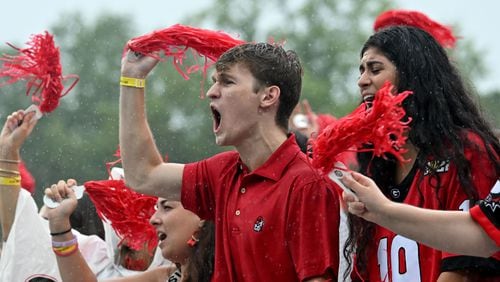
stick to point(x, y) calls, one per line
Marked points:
point(144, 168)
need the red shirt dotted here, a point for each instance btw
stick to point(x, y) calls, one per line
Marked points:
point(393, 257)
point(487, 214)
point(277, 223)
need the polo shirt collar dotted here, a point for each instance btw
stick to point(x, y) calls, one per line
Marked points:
point(275, 166)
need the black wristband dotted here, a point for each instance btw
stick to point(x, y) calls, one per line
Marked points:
point(60, 233)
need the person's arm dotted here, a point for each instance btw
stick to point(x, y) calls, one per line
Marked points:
point(458, 276)
point(144, 168)
point(72, 265)
point(16, 129)
point(450, 231)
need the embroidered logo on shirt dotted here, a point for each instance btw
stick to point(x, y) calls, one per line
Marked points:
point(437, 166)
point(492, 201)
point(395, 193)
point(259, 224)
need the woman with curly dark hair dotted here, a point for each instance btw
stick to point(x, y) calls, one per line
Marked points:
point(452, 158)
point(183, 238)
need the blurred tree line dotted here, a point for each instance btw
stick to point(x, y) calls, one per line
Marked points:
point(79, 137)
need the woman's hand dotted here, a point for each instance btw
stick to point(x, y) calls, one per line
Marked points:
point(372, 202)
point(63, 194)
point(16, 129)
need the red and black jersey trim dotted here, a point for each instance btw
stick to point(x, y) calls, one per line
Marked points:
point(486, 267)
point(491, 208)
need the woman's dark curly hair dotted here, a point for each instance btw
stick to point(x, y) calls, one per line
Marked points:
point(442, 111)
point(201, 262)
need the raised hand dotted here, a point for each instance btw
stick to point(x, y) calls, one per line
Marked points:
point(304, 119)
point(137, 65)
point(16, 129)
point(63, 194)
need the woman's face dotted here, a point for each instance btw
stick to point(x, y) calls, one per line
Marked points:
point(175, 226)
point(374, 69)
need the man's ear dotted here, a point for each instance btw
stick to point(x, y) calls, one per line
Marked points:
point(270, 96)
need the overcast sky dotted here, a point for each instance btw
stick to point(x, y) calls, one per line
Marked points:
point(479, 20)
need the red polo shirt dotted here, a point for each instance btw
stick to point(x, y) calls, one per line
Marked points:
point(277, 223)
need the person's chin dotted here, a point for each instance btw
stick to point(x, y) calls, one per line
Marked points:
point(166, 253)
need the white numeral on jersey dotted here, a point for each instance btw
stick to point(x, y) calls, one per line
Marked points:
point(464, 206)
point(403, 264)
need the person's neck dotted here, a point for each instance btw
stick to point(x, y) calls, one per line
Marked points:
point(183, 267)
point(404, 168)
point(255, 151)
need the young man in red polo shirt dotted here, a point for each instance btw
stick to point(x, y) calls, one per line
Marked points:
point(276, 218)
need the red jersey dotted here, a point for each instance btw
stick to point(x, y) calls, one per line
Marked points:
point(393, 257)
point(277, 223)
point(487, 214)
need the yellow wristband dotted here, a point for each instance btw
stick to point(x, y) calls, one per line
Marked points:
point(132, 82)
point(10, 181)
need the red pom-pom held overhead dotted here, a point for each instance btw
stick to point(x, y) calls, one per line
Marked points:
point(39, 64)
point(175, 40)
point(443, 34)
point(381, 126)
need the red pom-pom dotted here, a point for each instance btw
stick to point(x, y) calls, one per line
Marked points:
point(324, 120)
point(380, 126)
point(175, 40)
point(38, 64)
point(27, 179)
point(127, 211)
point(443, 34)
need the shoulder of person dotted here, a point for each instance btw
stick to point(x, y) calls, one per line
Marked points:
point(475, 149)
point(473, 141)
